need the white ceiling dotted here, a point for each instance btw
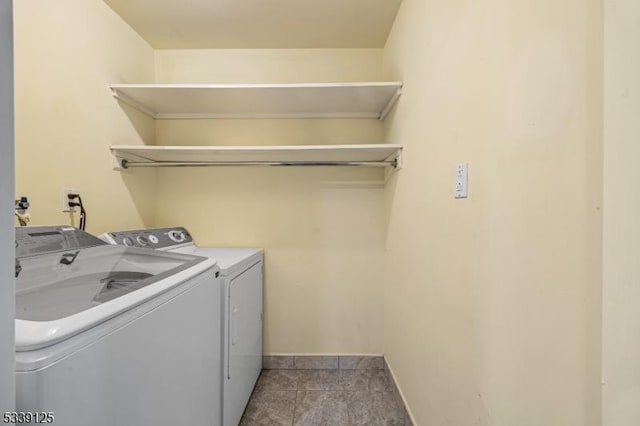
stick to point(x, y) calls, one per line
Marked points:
point(251, 24)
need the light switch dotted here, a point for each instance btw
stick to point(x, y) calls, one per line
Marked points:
point(461, 180)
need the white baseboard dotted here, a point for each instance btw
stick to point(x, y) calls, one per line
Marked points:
point(397, 387)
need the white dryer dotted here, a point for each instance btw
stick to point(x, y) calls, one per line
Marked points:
point(241, 270)
point(114, 336)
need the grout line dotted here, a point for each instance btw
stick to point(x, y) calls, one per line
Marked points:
point(324, 354)
point(295, 401)
point(349, 408)
point(295, 406)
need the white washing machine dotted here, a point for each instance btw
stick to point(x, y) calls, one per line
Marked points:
point(241, 270)
point(114, 336)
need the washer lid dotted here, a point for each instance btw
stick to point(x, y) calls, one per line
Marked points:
point(59, 295)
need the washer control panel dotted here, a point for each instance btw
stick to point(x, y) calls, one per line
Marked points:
point(156, 238)
point(36, 240)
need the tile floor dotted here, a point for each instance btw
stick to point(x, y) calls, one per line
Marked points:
point(323, 397)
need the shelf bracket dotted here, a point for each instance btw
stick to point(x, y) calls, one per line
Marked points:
point(390, 104)
point(127, 100)
point(396, 160)
point(120, 164)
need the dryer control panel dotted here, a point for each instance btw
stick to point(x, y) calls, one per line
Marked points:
point(156, 238)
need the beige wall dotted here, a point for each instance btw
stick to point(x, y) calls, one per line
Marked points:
point(490, 306)
point(268, 65)
point(621, 245)
point(321, 228)
point(492, 303)
point(66, 54)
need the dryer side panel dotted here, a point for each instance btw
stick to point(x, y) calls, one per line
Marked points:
point(244, 341)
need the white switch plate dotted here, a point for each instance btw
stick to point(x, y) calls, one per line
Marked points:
point(461, 180)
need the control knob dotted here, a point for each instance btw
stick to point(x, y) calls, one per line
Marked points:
point(177, 236)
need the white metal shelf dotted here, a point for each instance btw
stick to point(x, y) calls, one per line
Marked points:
point(378, 155)
point(310, 100)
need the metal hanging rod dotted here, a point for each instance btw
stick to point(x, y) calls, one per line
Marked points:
point(127, 163)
